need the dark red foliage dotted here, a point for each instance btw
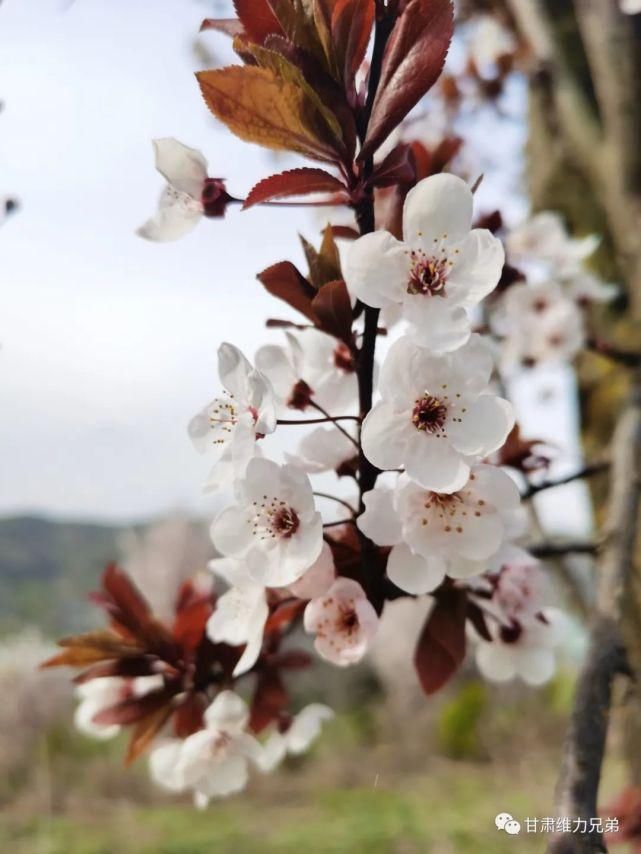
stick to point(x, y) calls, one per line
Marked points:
point(413, 60)
point(441, 647)
point(295, 182)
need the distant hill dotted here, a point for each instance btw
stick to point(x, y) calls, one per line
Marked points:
point(46, 570)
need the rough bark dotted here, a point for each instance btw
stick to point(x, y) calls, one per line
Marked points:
point(612, 637)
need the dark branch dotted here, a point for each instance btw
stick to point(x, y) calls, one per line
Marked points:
point(561, 549)
point(586, 471)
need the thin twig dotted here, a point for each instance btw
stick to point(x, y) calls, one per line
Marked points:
point(319, 408)
point(338, 500)
point(295, 422)
point(561, 549)
point(339, 522)
point(587, 471)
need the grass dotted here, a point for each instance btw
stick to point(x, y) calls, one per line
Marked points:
point(450, 810)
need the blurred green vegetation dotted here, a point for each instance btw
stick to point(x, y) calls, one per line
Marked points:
point(46, 568)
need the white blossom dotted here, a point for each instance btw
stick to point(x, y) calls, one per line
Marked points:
point(489, 42)
point(585, 288)
point(100, 694)
point(541, 324)
point(275, 528)
point(316, 580)
point(188, 195)
point(525, 635)
point(344, 622)
point(441, 269)
point(630, 7)
point(436, 414)
point(229, 426)
point(322, 449)
point(302, 731)
point(213, 762)
point(436, 534)
point(241, 612)
point(313, 366)
point(544, 239)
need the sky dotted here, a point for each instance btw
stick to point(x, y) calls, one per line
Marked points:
point(108, 343)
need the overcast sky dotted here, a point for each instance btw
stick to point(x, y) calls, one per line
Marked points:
point(108, 342)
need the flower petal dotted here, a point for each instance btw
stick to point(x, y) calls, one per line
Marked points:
point(413, 573)
point(384, 437)
point(176, 216)
point(183, 167)
point(377, 269)
point(380, 522)
point(434, 464)
point(438, 208)
point(483, 428)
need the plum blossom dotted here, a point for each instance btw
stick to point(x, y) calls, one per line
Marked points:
point(98, 695)
point(541, 324)
point(313, 367)
point(316, 580)
point(296, 738)
point(214, 761)
point(241, 612)
point(630, 7)
point(544, 239)
point(229, 426)
point(323, 449)
point(275, 528)
point(436, 414)
point(344, 622)
point(585, 288)
point(525, 635)
point(438, 272)
point(189, 194)
point(437, 534)
point(490, 42)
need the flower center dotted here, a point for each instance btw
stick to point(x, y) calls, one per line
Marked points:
point(348, 621)
point(219, 744)
point(274, 520)
point(511, 633)
point(223, 417)
point(214, 197)
point(300, 396)
point(429, 414)
point(428, 275)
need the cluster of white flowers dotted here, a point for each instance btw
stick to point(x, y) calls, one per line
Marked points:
point(215, 761)
point(435, 422)
point(543, 319)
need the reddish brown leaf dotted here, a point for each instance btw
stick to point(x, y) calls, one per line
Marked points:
point(133, 709)
point(258, 19)
point(189, 625)
point(130, 613)
point(397, 168)
point(346, 232)
point(295, 182)
point(144, 733)
point(90, 648)
point(441, 646)
point(413, 60)
point(230, 26)
point(445, 152)
point(127, 667)
point(267, 107)
point(283, 280)
point(291, 659)
point(333, 308)
point(351, 27)
point(270, 698)
point(284, 613)
point(188, 717)
point(476, 616)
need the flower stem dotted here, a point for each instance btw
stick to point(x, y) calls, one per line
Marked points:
point(338, 500)
point(338, 427)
